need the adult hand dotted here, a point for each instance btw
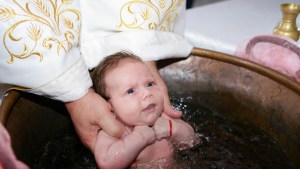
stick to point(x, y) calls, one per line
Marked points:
point(168, 109)
point(8, 159)
point(90, 114)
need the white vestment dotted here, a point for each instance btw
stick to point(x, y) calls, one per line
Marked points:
point(48, 47)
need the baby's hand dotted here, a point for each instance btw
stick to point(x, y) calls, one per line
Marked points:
point(146, 132)
point(161, 128)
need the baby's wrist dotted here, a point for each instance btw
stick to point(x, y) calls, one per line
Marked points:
point(170, 128)
point(144, 133)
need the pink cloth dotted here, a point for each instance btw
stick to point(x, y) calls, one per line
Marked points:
point(8, 159)
point(276, 52)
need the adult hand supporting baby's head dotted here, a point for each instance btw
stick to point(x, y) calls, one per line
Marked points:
point(168, 109)
point(90, 114)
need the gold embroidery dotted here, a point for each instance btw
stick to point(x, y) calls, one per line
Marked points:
point(161, 15)
point(44, 16)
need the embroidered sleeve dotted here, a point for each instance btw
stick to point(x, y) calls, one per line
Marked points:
point(150, 29)
point(35, 39)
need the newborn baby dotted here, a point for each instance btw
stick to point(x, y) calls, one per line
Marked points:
point(135, 99)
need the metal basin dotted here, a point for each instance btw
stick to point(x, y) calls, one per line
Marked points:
point(249, 92)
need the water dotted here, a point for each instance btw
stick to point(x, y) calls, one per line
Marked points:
point(226, 144)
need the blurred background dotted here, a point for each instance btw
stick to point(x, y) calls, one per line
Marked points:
point(195, 3)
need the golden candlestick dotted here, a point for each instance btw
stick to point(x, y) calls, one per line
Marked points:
point(288, 24)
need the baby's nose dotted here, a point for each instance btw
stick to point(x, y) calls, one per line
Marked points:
point(147, 94)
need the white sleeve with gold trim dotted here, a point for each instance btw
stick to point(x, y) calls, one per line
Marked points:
point(151, 29)
point(39, 48)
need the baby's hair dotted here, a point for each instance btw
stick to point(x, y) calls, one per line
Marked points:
point(107, 64)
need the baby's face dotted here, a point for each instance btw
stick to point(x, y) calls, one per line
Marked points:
point(135, 96)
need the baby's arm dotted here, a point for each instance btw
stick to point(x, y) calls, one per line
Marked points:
point(177, 129)
point(112, 153)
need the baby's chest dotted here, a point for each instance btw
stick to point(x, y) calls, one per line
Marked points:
point(157, 150)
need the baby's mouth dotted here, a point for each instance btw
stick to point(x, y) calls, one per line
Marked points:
point(149, 108)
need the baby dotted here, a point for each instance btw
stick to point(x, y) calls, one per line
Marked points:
point(134, 97)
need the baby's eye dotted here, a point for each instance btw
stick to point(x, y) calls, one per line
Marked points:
point(130, 91)
point(150, 84)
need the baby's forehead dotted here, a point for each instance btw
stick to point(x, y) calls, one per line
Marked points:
point(129, 64)
point(122, 67)
point(130, 60)
point(118, 64)
point(129, 71)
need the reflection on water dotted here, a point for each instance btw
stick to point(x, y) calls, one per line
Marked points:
point(226, 143)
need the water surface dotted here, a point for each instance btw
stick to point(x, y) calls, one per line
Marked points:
point(226, 144)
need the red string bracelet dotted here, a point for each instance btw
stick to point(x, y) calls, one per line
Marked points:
point(170, 123)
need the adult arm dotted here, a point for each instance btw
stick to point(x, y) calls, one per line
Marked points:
point(40, 54)
point(40, 50)
point(8, 159)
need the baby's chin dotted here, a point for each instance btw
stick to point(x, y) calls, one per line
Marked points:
point(152, 119)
